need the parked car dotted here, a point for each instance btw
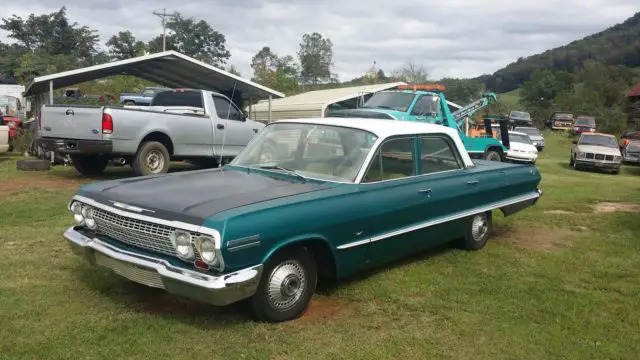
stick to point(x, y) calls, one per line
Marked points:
point(520, 118)
point(596, 151)
point(12, 114)
point(143, 98)
point(560, 120)
point(584, 124)
point(266, 226)
point(534, 134)
point(628, 136)
point(181, 124)
point(4, 138)
point(521, 148)
point(631, 152)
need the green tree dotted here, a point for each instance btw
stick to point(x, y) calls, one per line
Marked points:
point(193, 38)
point(462, 91)
point(411, 73)
point(279, 73)
point(544, 86)
point(316, 58)
point(125, 46)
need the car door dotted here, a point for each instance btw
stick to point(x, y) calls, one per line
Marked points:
point(395, 196)
point(233, 132)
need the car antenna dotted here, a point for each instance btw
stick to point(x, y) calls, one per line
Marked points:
point(224, 134)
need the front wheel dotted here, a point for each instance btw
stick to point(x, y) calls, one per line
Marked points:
point(287, 285)
point(492, 155)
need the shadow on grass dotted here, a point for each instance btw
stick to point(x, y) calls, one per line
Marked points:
point(631, 170)
point(157, 302)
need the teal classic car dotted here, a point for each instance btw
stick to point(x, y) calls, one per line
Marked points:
point(306, 199)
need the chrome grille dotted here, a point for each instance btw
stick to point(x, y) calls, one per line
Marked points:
point(609, 157)
point(599, 156)
point(142, 234)
point(589, 156)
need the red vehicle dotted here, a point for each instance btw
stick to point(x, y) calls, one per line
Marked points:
point(584, 124)
point(628, 136)
point(10, 111)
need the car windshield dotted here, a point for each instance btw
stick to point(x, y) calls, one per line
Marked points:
point(586, 122)
point(317, 151)
point(520, 138)
point(529, 131)
point(634, 146)
point(563, 115)
point(599, 140)
point(520, 115)
point(399, 101)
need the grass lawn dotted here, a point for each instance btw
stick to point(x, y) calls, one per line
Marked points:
point(511, 99)
point(560, 280)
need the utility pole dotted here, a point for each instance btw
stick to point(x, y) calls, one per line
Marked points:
point(163, 15)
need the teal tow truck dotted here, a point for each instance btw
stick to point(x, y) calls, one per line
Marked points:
point(427, 103)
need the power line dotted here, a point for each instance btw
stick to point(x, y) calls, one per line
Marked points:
point(163, 15)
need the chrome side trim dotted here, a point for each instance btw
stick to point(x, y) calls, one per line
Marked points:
point(243, 243)
point(438, 221)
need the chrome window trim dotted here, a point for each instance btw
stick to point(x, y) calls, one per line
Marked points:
point(430, 223)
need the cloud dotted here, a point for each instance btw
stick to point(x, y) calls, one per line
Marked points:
point(458, 38)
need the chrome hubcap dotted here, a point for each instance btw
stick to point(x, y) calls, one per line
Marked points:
point(286, 285)
point(154, 161)
point(479, 227)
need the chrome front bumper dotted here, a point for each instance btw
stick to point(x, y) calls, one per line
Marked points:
point(216, 290)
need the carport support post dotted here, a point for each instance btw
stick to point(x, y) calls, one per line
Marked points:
point(50, 92)
point(269, 108)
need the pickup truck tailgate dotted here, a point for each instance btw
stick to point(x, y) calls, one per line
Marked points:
point(83, 122)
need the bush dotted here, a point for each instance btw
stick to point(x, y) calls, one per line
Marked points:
point(22, 141)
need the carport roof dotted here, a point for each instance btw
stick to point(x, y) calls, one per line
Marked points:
point(168, 68)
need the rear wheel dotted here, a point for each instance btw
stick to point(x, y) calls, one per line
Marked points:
point(89, 164)
point(571, 161)
point(129, 102)
point(492, 155)
point(152, 158)
point(478, 232)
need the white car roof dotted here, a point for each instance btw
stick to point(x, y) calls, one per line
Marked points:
point(384, 128)
point(381, 127)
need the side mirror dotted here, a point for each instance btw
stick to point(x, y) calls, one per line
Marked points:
point(574, 142)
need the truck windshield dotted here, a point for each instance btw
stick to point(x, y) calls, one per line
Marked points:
point(633, 147)
point(599, 140)
point(520, 115)
point(178, 98)
point(308, 150)
point(390, 100)
point(563, 115)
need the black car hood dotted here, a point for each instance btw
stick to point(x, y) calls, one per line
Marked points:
point(193, 196)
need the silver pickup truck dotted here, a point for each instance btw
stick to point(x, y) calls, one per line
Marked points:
point(181, 124)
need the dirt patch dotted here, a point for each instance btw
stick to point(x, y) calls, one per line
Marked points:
point(607, 207)
point(323, 308)
point(543, 239)
point(17, 185)
point(559, 212)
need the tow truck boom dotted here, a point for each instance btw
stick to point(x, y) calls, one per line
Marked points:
point(470, 109)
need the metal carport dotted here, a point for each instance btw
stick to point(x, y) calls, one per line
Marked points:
point(168, 68)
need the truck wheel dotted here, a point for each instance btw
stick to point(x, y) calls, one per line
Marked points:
point(129, 102)
point(478, 232)
point(287, 285)
point(571, 161)
point(152, 158)
point(492, 155)
point(89, 164)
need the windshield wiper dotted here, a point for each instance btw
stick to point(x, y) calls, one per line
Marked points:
point(287, 170)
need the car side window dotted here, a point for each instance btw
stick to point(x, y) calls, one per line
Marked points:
point(393, 160)
point(423, 106)
point(437, 154)
point(224, 108)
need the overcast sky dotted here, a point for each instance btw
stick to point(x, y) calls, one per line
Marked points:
point(458, 38)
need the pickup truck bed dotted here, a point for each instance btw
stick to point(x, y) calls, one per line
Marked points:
point(148, 137)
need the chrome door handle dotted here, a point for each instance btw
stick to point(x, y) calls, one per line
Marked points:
point(472, 182)
point(425, 191)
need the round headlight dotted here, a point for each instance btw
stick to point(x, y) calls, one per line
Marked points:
point(76, 209)
point(207, 249)
point(89, 221)
point(181, 241)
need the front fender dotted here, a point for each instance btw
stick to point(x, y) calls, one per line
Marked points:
point(291, 241)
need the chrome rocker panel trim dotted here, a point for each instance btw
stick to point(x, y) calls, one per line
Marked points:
point(216, 290)
point(508, 207)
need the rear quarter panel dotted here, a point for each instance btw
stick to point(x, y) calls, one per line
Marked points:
point(500, 181)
